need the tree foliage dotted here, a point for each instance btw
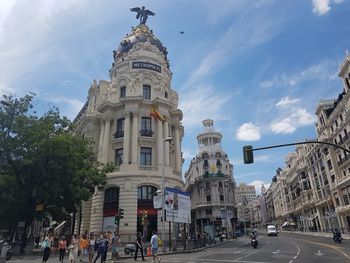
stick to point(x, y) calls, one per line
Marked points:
point(42, 161)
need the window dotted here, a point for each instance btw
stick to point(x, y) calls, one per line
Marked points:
point(147, 92)
point(146, 156)
point(208, 211)
point(120, 128)
point(123, 92)
point(111, 195)
point(146, 192)
point(221, 198)
point(146, 127)
point(118, 157)
point(208, 198)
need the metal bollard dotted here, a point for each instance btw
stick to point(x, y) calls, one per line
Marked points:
point(3, 249)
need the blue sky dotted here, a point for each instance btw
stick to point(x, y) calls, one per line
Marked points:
point(258, 68)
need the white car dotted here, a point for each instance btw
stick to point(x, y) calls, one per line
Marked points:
point(271, 231)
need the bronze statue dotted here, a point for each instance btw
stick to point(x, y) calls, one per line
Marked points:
point(142, 13)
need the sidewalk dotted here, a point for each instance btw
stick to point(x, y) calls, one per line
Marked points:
point(317, 234)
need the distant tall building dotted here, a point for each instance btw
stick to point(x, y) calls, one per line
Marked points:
point(129, 117)
point(245, 193)
point(210, 182)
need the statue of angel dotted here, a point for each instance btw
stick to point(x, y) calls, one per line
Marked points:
point(142, 13)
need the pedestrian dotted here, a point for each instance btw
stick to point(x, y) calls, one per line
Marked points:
point(73, 250)
point(45, 246)
point(115, 244)
point(138, 245)
point(83, 244)
point(62, 245)
point(100, 249)
point(91, 247)
point(154, 247)
point(104, 248)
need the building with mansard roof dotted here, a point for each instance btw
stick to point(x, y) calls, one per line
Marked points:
point(129, 117)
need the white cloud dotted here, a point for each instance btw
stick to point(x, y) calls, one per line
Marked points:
point(321, 7)
point(297, 117)
point(188, 154)
point(241, 36)
point(258, 184)
point(286, 101)
point(74, 106)
point(248, 132)
point(202, 103)
point(5, 90)
point(325, 70)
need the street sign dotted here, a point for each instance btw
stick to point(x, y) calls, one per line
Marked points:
point(157, 202)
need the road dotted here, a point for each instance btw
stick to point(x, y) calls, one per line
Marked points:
point(286, 248)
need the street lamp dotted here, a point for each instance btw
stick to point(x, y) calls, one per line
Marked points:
point(168, 139)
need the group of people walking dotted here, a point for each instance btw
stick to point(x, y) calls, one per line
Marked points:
point(82, 246)
point(95, 247)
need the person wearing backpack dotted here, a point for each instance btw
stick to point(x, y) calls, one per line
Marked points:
point(155, 243)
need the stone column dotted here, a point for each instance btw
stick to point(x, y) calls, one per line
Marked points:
point(159, 146)
point(135, 137)
point(177, 150)
point(106, 140)
point(97, 212)
point(85, 216)
point(166, 145)
point(100, 143)
point(126, 143)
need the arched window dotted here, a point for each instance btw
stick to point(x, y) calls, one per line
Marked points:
point(111, 201)
point(146, 192)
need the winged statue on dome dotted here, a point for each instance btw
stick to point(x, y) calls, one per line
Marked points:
point(142, 13)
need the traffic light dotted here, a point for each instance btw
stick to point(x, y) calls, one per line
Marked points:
point(116, 220)
point(121, 213)
point(248, 156)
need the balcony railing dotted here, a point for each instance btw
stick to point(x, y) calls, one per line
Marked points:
point(146, 133)
point(118, 134)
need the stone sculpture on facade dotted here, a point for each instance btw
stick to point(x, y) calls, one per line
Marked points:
point(142, 13)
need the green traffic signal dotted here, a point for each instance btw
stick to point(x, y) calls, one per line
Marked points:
point(116, 220)
point(248, 156)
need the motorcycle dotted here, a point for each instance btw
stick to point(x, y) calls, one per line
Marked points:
point(337, 238)
point(254, 241)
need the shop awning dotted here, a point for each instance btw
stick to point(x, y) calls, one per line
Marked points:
point(312, 218)
point(57, 228)
point(285, 224)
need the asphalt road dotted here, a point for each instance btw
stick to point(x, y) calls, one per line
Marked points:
point(286, 248)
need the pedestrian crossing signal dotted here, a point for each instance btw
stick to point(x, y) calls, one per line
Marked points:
point(116, 220)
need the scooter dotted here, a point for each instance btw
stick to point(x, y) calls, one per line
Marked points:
point(254, 241)
point(337, 238)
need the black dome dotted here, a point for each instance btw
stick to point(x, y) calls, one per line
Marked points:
point(139, 34)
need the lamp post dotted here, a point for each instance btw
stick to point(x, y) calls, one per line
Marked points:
point(169, 139)
point(225, 208)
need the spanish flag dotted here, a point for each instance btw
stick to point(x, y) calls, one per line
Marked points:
point(156, 114)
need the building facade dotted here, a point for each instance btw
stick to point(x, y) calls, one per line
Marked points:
point(131, 118)
point(210, 182)
point(313, 191)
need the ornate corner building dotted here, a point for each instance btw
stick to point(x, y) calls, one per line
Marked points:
point(210, 182)
point(129, 118)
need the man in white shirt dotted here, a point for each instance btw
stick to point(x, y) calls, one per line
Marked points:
point(154, 246)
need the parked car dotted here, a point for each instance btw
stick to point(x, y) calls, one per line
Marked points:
point(272, 231)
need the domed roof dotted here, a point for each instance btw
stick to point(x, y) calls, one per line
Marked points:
point(139, 34)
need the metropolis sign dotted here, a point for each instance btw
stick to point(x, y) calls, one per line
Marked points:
point(146, 65)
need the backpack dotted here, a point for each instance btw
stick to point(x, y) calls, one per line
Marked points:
point(160, 242)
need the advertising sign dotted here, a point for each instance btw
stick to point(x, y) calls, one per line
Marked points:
point(109, 224)
point(157, 202)
point(177, 206)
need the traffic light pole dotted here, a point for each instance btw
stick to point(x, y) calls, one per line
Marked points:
point(248, 150)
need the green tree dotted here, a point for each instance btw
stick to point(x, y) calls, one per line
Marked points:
point(42, 161)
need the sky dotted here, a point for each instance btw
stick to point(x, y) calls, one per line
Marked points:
point(257, 68)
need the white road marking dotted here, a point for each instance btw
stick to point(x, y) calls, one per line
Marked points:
point(320, 253)
point(218, 260)
point(276, 252)
point(297, 254)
